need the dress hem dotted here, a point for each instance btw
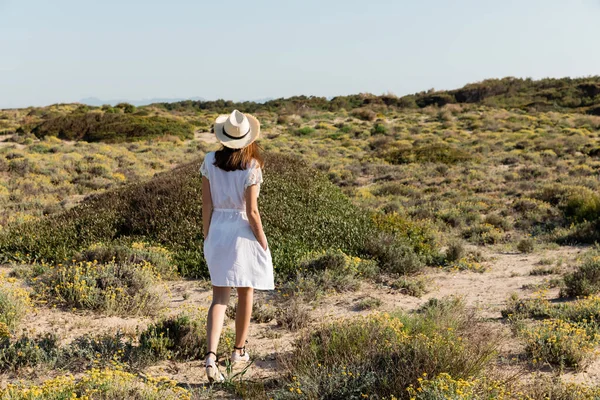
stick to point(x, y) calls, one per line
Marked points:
point(256, 287)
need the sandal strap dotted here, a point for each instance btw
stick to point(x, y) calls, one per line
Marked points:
point(212, 352)
point(243, 347)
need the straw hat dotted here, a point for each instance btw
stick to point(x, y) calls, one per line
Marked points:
point(237, 130)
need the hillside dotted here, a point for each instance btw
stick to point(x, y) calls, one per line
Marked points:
point(444, 248)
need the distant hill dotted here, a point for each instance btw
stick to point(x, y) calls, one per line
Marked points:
point(581, 94)
point(565, 94)
point(94, 101)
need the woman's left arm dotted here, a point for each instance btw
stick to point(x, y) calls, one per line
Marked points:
point(207, 206)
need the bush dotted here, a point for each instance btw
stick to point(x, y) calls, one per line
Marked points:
point(107, 127)
point(116, 289)
point(585, 280)
point(454, 252)
point(98, 384)
point(182, 336)
point(526, 245)
point(443, 386)
point(382, 354)
point(379, 129)
point(559, 343)
point(368, 303)
point(302, 210)
point(365, 114)
point(483, 234)
point(293, 314)
point(328, 271)
point(14, 303)
point(138, 253)
point(305, 131)
point(411, 287)
point(582, 205)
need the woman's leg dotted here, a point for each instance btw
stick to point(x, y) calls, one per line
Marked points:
point(243, 315)
point(216, 317)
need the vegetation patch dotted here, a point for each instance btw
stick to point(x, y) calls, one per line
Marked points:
point(111, 288)
point(14, 304)
point(105, 383)
point(111, 128)
point(302, 210)
point(339, 360)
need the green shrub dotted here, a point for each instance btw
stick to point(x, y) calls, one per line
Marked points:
point(107, 127)
point(382, 354)
point(559, 343)
point(583, 205)
point(302, 212)
point(305, 131)
point(585, 280)
point(455, 251)
point(443, 386)
point(108, 383)
point(14, 303)
point(25, 352)
point(411, 287)
point(293, 314)
point(182, 336)
point(138, 253)
point(418, 235)
point(483, 234)
point(526, 245)
point(368, 303)
point(379, 129)
point(119, 289)
point(328, 271)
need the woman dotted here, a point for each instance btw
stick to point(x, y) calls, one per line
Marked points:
point(235, 246)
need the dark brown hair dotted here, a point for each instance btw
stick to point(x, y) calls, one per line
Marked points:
point(229, 159)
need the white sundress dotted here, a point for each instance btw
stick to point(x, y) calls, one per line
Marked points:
point(234, 256)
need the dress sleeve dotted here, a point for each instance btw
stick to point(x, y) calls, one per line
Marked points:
point(254, 176)
point(204, 167)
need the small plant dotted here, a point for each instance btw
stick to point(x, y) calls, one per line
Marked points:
point(410, 286)
point(182, 336)
point(14, 303)
point(538, 271)
point(585, 280)
point(454, 252)
point(526, 245)
point(443, 386)
point(293, 315)
point(368, 303)
point(559, 343)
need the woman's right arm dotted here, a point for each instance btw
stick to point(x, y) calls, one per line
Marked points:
point(251, 195)
point(207, 206)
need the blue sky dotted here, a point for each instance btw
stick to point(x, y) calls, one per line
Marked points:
point(66, 50)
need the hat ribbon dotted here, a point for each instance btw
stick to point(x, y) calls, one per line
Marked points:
point(235, 137)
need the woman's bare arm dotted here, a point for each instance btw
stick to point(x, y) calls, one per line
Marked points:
point(251, 195)
point(207, 206)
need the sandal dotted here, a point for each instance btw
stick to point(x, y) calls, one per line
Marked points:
point(212, 368)
point(237, 357)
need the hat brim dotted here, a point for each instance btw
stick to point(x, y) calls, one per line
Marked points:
point(237, 143)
